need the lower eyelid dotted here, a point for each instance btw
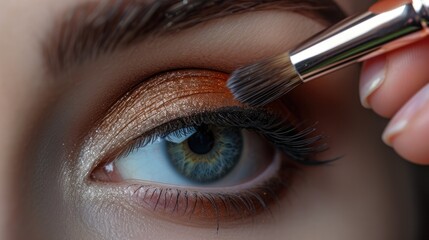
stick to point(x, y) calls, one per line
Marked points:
point(211, 207)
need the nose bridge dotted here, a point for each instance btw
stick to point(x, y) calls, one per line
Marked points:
point(10, 149)
point(18, 83)
point(6, 138)
point(7, 163)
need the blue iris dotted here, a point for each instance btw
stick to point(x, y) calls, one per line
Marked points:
point(209, 154)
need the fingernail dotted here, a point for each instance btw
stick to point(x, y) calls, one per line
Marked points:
point(409, 112)
point(372, 79)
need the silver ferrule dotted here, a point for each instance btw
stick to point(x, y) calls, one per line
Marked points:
point(358, 38)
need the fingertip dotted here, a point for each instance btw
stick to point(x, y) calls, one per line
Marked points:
point(389, 81)
point(372, 78)
point(412, 147)
point(408, 132)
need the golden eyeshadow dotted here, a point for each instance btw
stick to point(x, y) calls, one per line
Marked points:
point(158, 100)
point(162, 98)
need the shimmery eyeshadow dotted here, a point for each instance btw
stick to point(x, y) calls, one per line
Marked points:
point(155, 102)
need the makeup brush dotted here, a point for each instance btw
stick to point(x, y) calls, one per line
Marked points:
point(387, 25)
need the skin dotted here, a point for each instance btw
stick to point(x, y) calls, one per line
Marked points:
point(366, 195)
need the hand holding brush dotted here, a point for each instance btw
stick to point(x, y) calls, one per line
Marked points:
point(391, 38)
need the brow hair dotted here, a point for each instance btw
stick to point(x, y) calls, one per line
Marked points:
point(96, 28)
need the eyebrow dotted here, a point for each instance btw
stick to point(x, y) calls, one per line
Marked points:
point(91, 29)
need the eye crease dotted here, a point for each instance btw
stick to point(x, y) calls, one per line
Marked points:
point(215, 161)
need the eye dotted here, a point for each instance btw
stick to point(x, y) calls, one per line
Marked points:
point(204, 155)
point(213, 162)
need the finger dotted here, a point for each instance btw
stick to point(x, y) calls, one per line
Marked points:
point(408, 132)
point(389, 81)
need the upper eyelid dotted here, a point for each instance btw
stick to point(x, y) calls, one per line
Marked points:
point(130, 111)
point(109, 135)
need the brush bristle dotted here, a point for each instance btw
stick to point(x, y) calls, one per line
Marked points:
point(263, 82)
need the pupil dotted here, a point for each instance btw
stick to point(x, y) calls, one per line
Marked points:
point(202, 141)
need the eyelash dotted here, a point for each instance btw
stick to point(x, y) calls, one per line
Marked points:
point(218, 207)
point(298, 144)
